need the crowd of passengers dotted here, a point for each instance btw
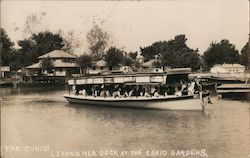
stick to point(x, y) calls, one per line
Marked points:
point(120, 90)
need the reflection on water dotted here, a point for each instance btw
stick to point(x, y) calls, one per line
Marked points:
point(41, 117)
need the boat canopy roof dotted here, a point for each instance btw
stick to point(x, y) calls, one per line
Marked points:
point(130, 78)
point(160, 79)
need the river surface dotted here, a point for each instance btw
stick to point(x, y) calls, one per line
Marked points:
point(40, 123)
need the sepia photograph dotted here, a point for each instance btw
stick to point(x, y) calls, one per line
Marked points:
point(125, 78)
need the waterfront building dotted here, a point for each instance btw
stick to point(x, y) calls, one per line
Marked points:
point(63, 65)
point(227, 69)
point(151, 65)
point(98, 67)
point(5, 71)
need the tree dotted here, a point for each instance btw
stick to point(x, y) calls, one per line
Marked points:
point(97, 40)
point(39, 44)
point(219, 53)
point(150, 51)
point(114, 57)
point(133, 55)
point(84, 62)
point(173, 53)
point(127, 61)
point(6, 48)
point(46, 64)
point(245, 55)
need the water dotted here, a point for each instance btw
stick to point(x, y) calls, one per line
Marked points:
point(39, 123)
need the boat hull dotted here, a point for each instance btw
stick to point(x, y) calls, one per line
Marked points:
point(168, 103)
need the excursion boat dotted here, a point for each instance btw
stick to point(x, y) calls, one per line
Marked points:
point(87, 88)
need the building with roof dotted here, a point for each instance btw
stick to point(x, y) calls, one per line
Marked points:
point(149, 64)
point(63, 64)
point(98, 67)
point(4, 71)
point(227, 68)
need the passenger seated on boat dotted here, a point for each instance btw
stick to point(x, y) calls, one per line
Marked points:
point(130, 92)
point(116, 92)
point(126, 94)
point(138, 91)
point(156, 94)
point(107, 93)
point(163, 90)
point(177, 90)
point(126, 91)
point(122, 90)
point(102, 91)
point(190, 88)
point(171, 89)
point(92, 90)
point(152, 91)
point(178, 93)
point(141, 91)
point(83, 92)
point(147, 92)
point(77, 92)
point(95, 92)
point(184, 88)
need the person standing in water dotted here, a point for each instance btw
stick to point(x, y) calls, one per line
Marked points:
point(204, 95)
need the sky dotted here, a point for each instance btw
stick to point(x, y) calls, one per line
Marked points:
point(131, 24)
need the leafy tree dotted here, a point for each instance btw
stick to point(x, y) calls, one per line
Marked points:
point(127, 61)
point(97, 40)
point(46, 64)
point(189, 58)
point(150, 51)
point(114, 57)
point(6, 48)
point(39, 44)
point(173, 53)
point(84, 62)
point(245, 55)
point(219, 53)
point(17, 59)
point(133, 55)
point(137, 65)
